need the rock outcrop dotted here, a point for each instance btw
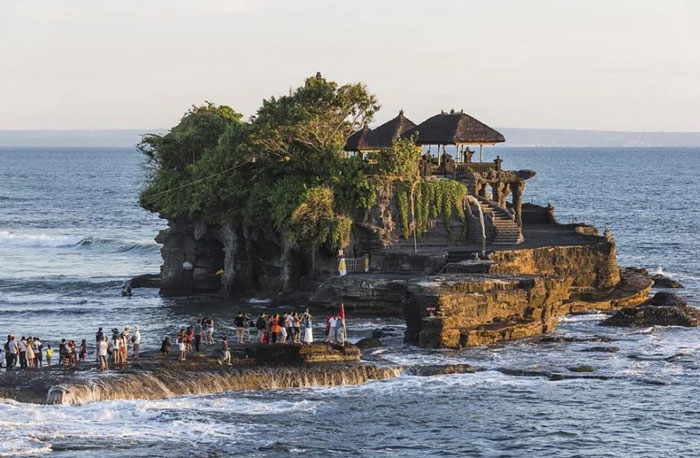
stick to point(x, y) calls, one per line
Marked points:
point(654, 315)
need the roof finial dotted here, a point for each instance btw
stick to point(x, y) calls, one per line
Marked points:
point(401, 112)
point(452, 111)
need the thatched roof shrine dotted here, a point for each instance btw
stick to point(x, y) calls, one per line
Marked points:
point(454, 129)
point(359, 141)
point(382, 137)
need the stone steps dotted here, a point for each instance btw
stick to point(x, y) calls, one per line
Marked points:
point(507, 231)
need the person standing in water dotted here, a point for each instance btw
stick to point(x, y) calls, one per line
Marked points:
point(225, 352)
point(83, 350)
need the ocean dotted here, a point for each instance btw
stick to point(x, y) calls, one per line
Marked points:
point(71, 232)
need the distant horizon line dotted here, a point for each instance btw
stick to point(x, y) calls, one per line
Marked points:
point(163, 129)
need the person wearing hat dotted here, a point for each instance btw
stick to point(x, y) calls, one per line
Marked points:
point(136, 340)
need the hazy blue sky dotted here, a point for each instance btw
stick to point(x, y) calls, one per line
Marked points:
point(626, 65)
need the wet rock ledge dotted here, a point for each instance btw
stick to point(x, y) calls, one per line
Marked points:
point(154, 377)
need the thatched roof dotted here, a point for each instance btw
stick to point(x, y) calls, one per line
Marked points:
point(383, 136)
point(454, 128)
point(359, 141)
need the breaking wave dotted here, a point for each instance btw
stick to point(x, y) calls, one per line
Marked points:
point(15, 239)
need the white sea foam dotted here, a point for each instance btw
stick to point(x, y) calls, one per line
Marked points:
point(255, 300)
point(193, 417)
point(11, 238)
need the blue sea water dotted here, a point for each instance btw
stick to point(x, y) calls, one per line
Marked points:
point(71, 232)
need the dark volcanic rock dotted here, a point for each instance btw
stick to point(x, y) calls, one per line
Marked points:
point(662, 281)
point(368, 342)
point(145, 281)
point(665, 299)
point(654, 315)
point(378, 334)
point(582, 368)
point(445, 369)
point(602, 349)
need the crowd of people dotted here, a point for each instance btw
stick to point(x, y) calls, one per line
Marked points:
point(29, 352)
point(117, 346)
point(291, 327)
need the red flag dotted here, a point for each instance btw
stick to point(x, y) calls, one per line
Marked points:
point(342, 311)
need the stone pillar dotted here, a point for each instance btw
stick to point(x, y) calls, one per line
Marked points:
point(497, 192)
point(518, 188)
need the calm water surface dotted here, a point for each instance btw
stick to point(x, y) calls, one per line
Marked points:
point(71, 232)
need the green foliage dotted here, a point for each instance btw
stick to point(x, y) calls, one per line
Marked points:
point(400, 161)
point(354, 193)
point(402, 192)
point(282, 168)
point(198, 131)
point(309, 127)
point(432, 198)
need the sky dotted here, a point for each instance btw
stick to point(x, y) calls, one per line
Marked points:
point(589, 64)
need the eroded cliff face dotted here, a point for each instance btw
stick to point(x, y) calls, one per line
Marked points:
point(592, 265)
point(458, 310)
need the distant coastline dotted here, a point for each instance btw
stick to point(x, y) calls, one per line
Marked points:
point(515, 137)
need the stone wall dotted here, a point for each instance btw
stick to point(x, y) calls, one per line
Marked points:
point(459, 310)
point(588, 265)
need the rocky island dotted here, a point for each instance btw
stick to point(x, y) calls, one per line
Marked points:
point(305, 202)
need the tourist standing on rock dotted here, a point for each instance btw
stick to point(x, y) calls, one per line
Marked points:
point(308, 328)
point(126, 335)
point(197, 335)
point(189, 338)
point(136, 340)
point(283, 330)
point(330, 325)
point(10, 352)
point(250, 327)
point(61, 351)
point(225, 352)
point(98, 338)
point(165, 347)
point(260, 326)
point(296, 327)
point(30, 352)
point(289, 326)
point(211, 331)
point(102, 347)
point(83, 350)
point(182, 345)
point(274, 328)
point(38, 347)
point(339, 333)
point(49, 355)
point(239, 321)
point(22, 353)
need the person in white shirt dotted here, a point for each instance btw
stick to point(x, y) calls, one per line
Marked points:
point(331, 330)
point(102, 347)
point(136, 339)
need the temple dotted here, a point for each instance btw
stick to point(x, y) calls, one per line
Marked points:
point(453, 249)
point(446, 139)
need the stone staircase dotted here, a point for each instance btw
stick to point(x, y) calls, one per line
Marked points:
point(507, 231)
